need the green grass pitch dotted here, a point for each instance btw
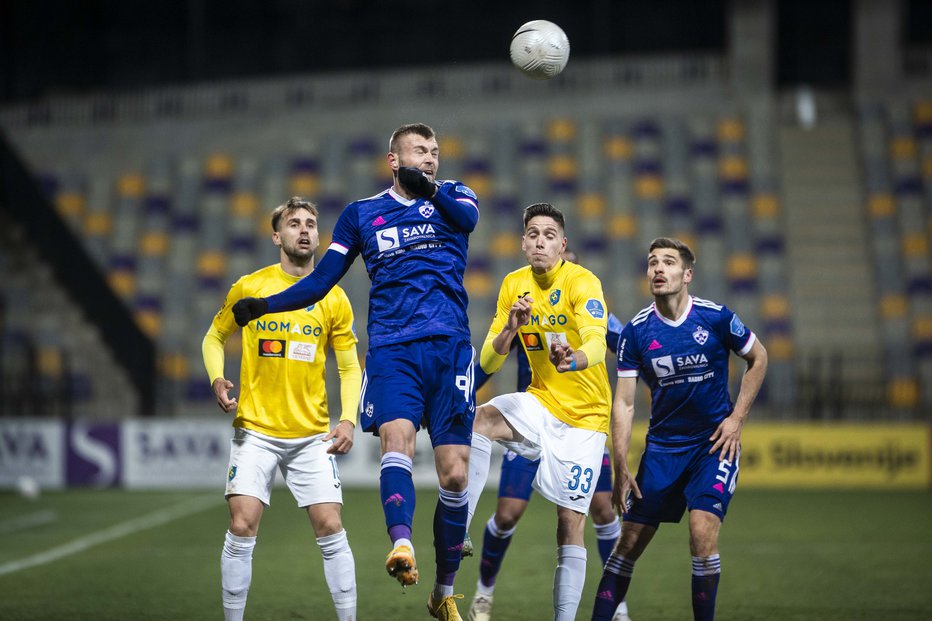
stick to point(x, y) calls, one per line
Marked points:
point(785, 555)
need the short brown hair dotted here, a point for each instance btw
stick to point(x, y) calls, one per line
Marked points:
point(544, 209)
point(686, 254)
point(420, 129)
point(286, 209)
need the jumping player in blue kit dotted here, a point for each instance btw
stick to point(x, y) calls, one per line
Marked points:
point(413, 238)
point(680, 346)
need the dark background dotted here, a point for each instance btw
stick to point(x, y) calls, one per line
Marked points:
point(70, 46)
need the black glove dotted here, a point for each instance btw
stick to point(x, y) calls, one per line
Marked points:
point(416, 182)
point(248, 309)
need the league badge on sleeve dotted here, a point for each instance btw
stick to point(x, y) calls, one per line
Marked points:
point(736, 327)
point(595, 308)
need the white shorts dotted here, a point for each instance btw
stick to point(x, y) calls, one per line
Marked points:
point(570, 458)
point(309, 471)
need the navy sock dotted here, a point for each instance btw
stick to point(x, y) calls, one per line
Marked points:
point(397, 489)
point(616, 577)
point(494, 545)
point(706, 571)
point(449, 532)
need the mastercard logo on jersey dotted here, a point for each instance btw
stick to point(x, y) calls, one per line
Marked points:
point(271, 348)
point(532, 341)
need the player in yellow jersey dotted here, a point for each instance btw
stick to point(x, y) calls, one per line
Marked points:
point(282, 420)
point(557, 311)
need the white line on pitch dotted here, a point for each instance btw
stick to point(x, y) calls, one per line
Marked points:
point(30, 520)
point(129, 527)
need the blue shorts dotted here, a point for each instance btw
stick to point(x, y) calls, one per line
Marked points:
point(428, 381)
point(518, 475)
point(673, 479)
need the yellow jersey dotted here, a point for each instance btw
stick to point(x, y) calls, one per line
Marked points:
point(282, 387)
point(567, 299)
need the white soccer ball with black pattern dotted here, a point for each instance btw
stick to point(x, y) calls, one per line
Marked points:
point(540, 49)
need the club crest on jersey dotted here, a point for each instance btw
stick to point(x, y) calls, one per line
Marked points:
point(532, 341)
point(595, 308)
point(427, 210)
point(554, 297)
point(701, 335)
point(737, 328)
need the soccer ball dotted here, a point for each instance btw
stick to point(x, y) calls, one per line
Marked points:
point(540, 49)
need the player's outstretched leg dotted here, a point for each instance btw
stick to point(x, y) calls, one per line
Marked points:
point(398, 502)
point(494, 545)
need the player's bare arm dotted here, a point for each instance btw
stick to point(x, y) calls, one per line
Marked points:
point(342, 436)
point(727, 437)
point(222, 387)
point(622, 420)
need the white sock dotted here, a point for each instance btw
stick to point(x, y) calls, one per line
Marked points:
point(236, 574)
point(480, 455)
point(622, 607)
point(568, 581)
point(340, 572)
point(610, 530)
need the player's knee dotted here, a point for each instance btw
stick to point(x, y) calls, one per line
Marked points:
point(243, 526)
point(454, 480)
point(506, 520)
point(482, 422)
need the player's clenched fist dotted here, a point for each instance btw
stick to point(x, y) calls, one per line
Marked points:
point(248, 309)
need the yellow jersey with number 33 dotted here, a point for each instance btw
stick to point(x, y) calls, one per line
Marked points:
point(282, 386)
point(567, 299)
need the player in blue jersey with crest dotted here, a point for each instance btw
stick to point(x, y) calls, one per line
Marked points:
point(413, 238)
point(680, 346)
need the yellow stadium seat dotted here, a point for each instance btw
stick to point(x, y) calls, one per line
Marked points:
point(123, 282)
point(648, 186)
point(923, 112)
point(922, 328)
point(927, 166)
point(618, 148)
point(903, 148)
point(623, 226)
point(451, 147)
point(212, 264)
point(477, 283)
point(97, 224)
point(903, 392)
point(765, 206)
point(70, 204)
point(779, 347)
point(131, 185)
point(561, 130)
point(915, 244)
point(505, 245)
point(775, 306)
point(733, 168)
point(893, 306)
point(149, 322)
point(174, 366)
point(590, 205)
point(480, 183)
point(881, 206)
point(742, 265)
point(219, 166)
point(304, 184)
point(153, 244)
point(49, 361)
point(561, 167)
point(244, 204)
point(730, 130)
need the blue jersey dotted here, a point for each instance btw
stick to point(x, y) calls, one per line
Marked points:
point(685, 364)
point(415, 253)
